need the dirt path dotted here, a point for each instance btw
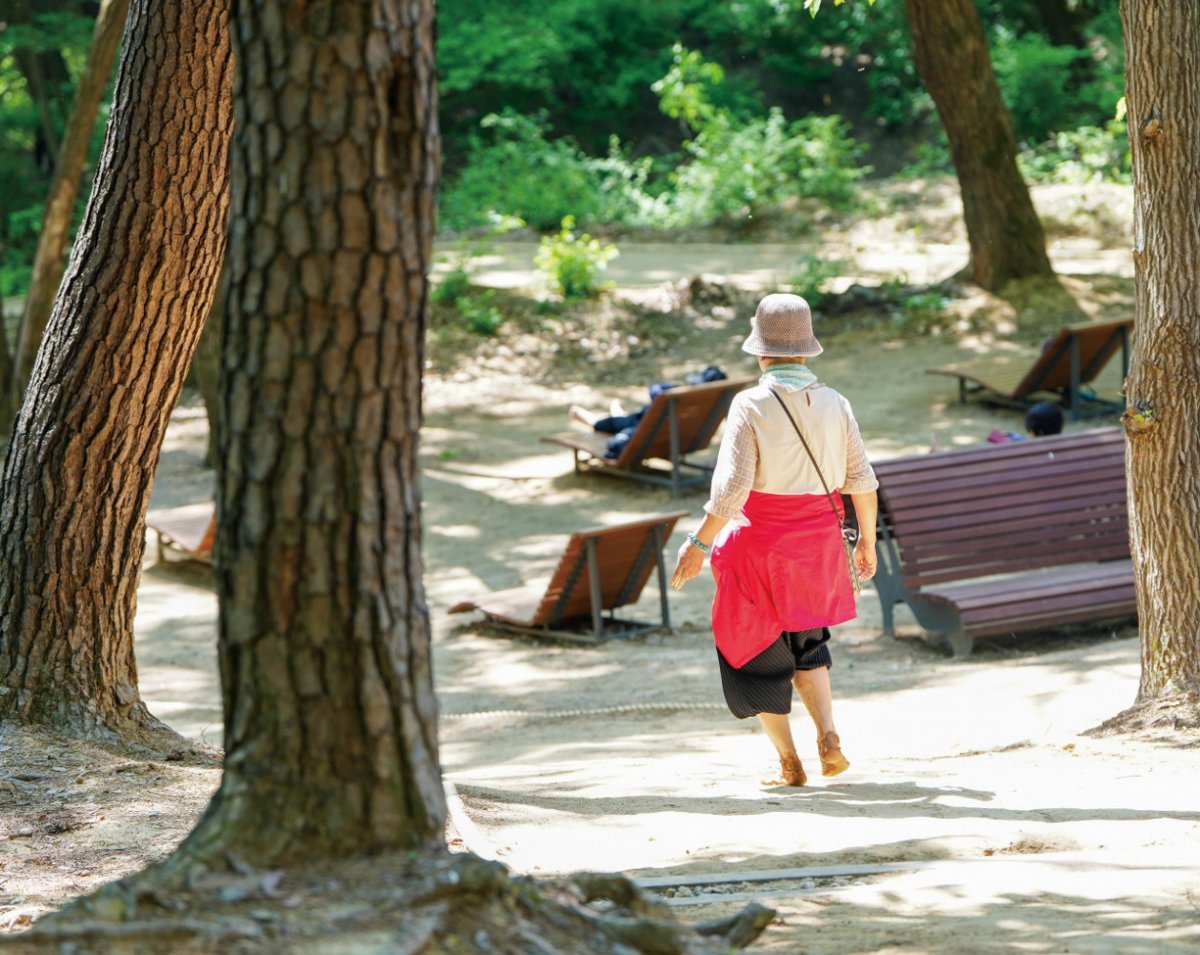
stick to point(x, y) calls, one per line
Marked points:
point(1032, 837)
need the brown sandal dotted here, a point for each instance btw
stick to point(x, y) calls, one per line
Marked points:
point(793, 771)
point(832, 760)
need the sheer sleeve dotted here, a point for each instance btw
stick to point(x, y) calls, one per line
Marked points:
point(860, 476)
point(737, 463)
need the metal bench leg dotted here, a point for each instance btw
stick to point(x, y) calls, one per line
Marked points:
point(659, 543)
point(1075, 383)
point(960, 645)
point(1124, 356)
point(593, 563)
point(676, 457)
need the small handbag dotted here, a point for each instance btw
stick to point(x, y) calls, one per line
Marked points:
point(849, 534)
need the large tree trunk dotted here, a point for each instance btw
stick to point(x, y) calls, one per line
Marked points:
point(60, 204)
point(330, 714)
point(1162, 55)
point(77, 477)
point(1003, 229)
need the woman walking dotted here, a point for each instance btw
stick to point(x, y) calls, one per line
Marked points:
point(773, 529)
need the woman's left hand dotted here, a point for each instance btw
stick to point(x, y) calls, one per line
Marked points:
point(688, 565)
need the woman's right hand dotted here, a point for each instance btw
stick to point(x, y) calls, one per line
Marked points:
point(688, 564)
point(865, 559)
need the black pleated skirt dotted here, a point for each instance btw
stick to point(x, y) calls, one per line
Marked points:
point(764, 683)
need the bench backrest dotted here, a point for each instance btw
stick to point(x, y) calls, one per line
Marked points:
point(1097, 342)
point(699, 410)
point(995, 509)
point(626, 555)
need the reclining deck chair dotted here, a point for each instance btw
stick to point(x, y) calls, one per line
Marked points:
point(601, 569)
point(1071, 360)
point(188, 532)
point(678, 422)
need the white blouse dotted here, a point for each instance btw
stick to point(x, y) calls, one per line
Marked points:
point(760, 450)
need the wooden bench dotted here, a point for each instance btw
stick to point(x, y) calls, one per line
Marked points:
point(1064, 368)
point(601, 569)
point(678, 422)
point(187, 532)
point(1001, 538)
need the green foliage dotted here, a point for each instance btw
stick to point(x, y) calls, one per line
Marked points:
point(26, 163)
point(1038, 82)
point(479, 313)
point(514, 169)
point(737, 170)
point(812, 275)
point(572, 262)
point(814, 6)
point(686, 92)
point(1083, 155)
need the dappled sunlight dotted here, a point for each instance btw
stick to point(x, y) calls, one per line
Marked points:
point(175, 639)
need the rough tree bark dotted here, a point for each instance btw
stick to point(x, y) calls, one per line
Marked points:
point(331, 764)
point(1162, 419)
point(1003, 230)
point(324, 632)
point(60, 203)
point(205, 371)
point(86, 442)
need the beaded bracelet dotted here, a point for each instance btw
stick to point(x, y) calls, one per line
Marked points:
point(695, 541)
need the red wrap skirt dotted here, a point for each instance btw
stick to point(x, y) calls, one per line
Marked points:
point(780, 568)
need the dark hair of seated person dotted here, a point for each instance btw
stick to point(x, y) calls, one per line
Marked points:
point(1043, 419)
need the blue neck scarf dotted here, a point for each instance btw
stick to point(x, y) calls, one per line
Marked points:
point(793, 375)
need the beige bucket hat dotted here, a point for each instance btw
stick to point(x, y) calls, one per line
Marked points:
point(782, 328)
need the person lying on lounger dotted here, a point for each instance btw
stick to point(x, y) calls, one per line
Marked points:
point(621, 424)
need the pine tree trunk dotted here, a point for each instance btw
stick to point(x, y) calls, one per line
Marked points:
point(60, 204)
point(86, 443)
point(206, 367)
point(1162, 420)
point(1003, 230)
point(330, 714)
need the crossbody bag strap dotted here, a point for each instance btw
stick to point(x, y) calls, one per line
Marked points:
point(800, 434)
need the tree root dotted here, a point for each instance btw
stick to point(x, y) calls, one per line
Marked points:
point(430, 904)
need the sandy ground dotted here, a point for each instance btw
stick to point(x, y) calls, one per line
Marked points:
point(1006, 829)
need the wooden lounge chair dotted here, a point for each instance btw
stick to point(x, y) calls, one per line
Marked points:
point(187, 532)
point(601, 569)
point(1070, 361)
point(1006, 537)
point(679, 422)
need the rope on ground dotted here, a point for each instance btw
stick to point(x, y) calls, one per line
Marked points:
point(596, 711)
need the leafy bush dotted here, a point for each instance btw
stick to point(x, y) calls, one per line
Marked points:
point(1039, 83)
point(514, 169)
point(1087, 154)
point(572, 262)
point(737, 170)
point(812, 276)
point(479, 313)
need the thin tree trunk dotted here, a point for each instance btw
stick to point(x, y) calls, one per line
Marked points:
point(1063, 22)
point(206, 366)
point(330, 715)
point(46, 78)
point(60, 205)
point(77, 476)
point(1162, 420)
point(1003, 230)
point(40, 69)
